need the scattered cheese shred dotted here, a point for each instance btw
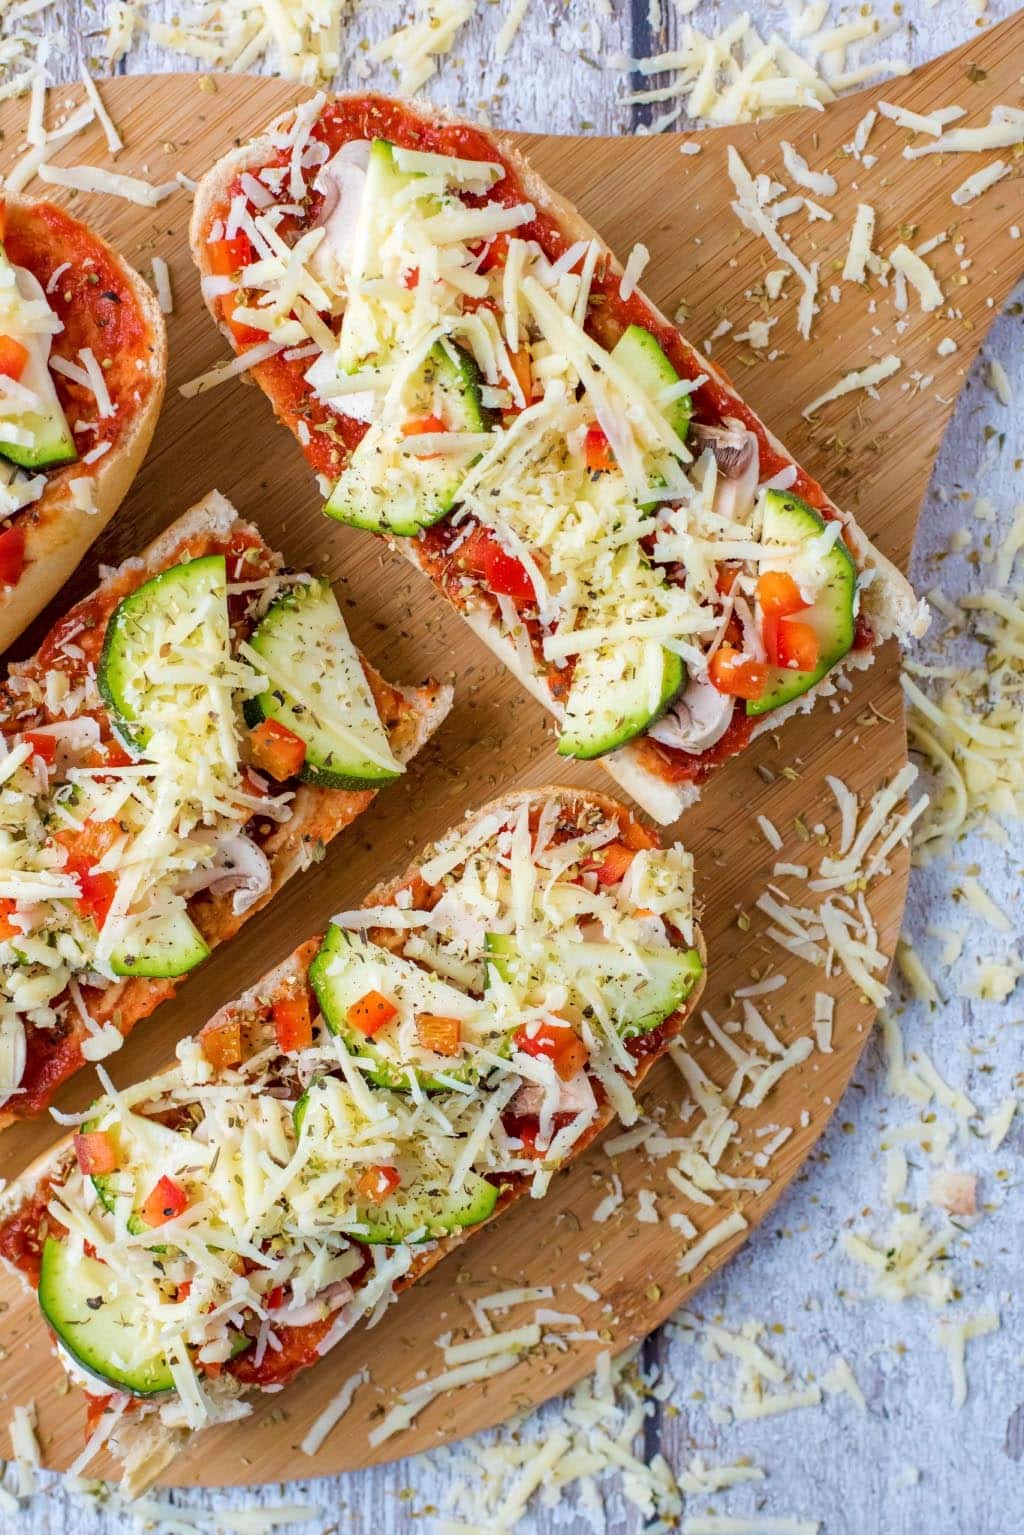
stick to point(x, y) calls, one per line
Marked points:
point(919, 274)
point(861, 378)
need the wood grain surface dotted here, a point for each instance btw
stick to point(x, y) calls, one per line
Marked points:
point(875, 455)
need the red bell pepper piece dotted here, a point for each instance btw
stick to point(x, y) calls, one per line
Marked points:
point(277, 750)
point(12, 555)
point(165, 1203)
point(778, 593)
point(293, 1022)
point(371, 1013)
point(43, 745)
point(559, 1043)
point(7, 927)
point(96, 1151)
point(439, 1034)
point(597, 450)
point(503, 573)
point(496, 253)
point(737, 675)
point(378, 1183)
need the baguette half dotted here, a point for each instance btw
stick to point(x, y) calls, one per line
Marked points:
point(146, 1439)
point(290, 845)
point(888, 605)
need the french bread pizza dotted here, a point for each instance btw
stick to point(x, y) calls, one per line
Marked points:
point(438, 1054)
point(83, 359)
point(474, 377)
point(187, 738)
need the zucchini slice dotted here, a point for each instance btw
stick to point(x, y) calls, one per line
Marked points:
point(346, 968)
point(615, 694)
point(95, 1322)
point(318, 689)
point(141, 628)
point(640, 354)
point(639, 990)
point(789, 521)
point(387, 488)
point(52, 442)
point(160, 945)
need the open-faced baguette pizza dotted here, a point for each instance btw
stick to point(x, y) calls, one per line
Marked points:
point(473, 376)
point(186, 738)
point(83, 358)
point(438, 1054)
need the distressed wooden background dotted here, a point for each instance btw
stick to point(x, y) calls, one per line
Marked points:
point(908, 1465)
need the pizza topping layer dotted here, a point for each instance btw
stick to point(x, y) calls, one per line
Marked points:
point(391, 1087)
point(76, 364)
point(149, 754)
point(465, 379)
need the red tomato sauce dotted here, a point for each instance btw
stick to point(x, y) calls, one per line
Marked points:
point(23, 1233)
point(95, 302)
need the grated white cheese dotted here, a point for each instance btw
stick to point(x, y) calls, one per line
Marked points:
point(861, 378)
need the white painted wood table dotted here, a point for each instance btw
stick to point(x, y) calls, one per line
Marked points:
point(909, 1464)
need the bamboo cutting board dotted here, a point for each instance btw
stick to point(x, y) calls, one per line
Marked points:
point(875, 455)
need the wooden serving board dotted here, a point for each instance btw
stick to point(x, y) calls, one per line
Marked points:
point(876, 457)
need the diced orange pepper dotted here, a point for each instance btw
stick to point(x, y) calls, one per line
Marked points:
point(797, 646)
point(736, 674)
point(610, 863)
point(778, 593)
point(420, 427)
point(293, 1022)
point(165, 1203)
point(13, 357)
point(524, 374)
point(7, 927)
point(96, 1151)
point(439, 1034)
point(371, 1013)
point(378, 1183)
point(277, 750)
point(725, 579)
point(221, 1042)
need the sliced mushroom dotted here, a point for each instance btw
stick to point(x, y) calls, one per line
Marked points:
point(342, 182)
point(696, 721)
point(737, 457)
point(238, 865)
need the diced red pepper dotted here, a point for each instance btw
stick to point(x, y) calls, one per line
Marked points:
point(378, 1183)
point(371, 1013)
point(725, 579)
point(293, 1022)
point(525, 1128)
point(610, 863)
point(797, 646)
point(109, 754)
point(502, 572)
point(778, 593)
point(736, 674)
point(597, 450)
point(96, 1151)
point(439, 1034)
point(43, 745)
point(13, 357)
point(166, 1203)
point(559, 1043)
point(496, 253)
point(411, 277)
point(12, 555)
point(97, 892)
point(221, 1041)
point(277, 750)
point(275, 1297)
point(7, 927)
point(87, 844)
point(227, 257)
